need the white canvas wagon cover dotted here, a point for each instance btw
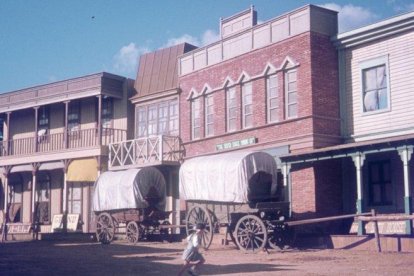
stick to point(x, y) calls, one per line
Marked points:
point(129, 189)
point(224, 177)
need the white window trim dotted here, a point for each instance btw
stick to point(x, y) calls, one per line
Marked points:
point(228, 108)
point(287, 94)
point(206, 124)
point(369, 64)
point(268, 98)
point(244, 104)
point(193, 110)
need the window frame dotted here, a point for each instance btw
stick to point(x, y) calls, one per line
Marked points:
point(246, 93)
point(231, 106)
point(74, 108)
point(107, 112)
point(43, 115)
point(209, 113)
point(381, 183)
point(370, 64)
point(287, 93)
point(43, 179)
point(195, 120)
point(269, 109)
point(71, 187)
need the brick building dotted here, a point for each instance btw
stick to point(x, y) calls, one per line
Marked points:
point(269, 87)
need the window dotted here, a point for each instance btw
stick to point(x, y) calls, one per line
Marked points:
point(43, 118)
point(247, 105)
point(42, 207)
point(209, 115)
point(107, 112)
point(16, 200)
point(74, 116)
point(272, 99)
point(75, 198)
point(231, 108)
point(158, 118)
point(375, 92)
point(173, 128)
point(379, 183)
point(291, 94)
point(1, 129)
point(195, 118)
point(142, 121)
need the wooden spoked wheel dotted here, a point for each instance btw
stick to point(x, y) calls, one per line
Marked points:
point(251, 234)
point(199, 214)
point(132, 232)
point(105, 228)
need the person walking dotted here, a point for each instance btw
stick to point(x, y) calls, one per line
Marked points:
point(191, 255)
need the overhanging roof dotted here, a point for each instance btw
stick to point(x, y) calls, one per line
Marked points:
point(351, 149)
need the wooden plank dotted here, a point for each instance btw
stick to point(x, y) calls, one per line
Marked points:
point(377, 237)
point(386, 218)
point(316, 220)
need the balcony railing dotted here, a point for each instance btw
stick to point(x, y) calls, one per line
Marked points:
point(60, 141)
point(145, 151)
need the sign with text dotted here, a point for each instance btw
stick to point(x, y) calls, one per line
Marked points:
point(384, 227)
point(236, 143)
point(72, 222)
point(18, 228)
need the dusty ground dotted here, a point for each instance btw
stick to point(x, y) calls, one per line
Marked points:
point(157, 258)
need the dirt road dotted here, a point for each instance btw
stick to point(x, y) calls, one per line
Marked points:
point(157, 258)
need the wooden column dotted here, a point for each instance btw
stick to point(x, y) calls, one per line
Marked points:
point(99, 120)
point(6, 203)
point(65, 194)
point(359, 162)
point(36, 109)
point(66, 132)
point(34, 182)
point(287, 185)
point(405, 154)
point(8, 146)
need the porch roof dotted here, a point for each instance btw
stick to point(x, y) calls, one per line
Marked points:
point(351, 149)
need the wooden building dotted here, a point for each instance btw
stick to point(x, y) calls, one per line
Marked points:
point(55, 144)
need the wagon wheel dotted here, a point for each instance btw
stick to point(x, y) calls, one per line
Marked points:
point(281, 236)
point(251, 233)
point(105, 228)
point(132, 232)
point(199, 214)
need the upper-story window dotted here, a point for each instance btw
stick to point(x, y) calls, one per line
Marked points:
point(107, 112)
point(195, 118)
point(272, 99)
point(74, 116)
point(158, 118)
point(43, 118)
point(247, 105)
point(231, 109)
point(375, 92)
point(291, 94)
point(43, 199)
point(209, 115)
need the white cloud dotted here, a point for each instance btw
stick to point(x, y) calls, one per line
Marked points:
point(351, 17)
point(209, 36)
point(126, 60)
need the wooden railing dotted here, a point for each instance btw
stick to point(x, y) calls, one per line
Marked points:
point(145, 151)
point(83, 138)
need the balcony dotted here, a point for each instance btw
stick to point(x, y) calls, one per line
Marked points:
point(55, 142)
point(148, 151)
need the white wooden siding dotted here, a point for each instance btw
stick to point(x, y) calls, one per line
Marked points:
point(399, 120)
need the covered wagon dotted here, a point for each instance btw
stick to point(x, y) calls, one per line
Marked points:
point(237, 191)
point(135, 197)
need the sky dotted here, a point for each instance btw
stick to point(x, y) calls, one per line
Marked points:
point(43, 41)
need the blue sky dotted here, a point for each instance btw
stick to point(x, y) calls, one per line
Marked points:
point(46, 41)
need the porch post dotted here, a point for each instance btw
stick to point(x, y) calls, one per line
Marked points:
point(287, 185)
point(34, 179)
point(6, 203)
point(359, 162)
point(405, 154)
point(8, 133)
point(36, 109)
point(65, 194)
point(66, 132)
point(99, 120)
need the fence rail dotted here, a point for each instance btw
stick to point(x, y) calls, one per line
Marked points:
point(145, 151)
point(61, 141)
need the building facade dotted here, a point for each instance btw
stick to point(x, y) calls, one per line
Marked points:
point(266, 87)
point(54, 146)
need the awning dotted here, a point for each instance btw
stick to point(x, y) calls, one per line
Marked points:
point(130, 189)
point(82, 170)
point(225, 177)
point(43, 167)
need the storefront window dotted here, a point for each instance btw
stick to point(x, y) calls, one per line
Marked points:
point(43, 199)
point(75, 198)
point(16, 201)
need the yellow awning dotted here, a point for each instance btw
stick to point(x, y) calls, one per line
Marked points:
point(82, 170)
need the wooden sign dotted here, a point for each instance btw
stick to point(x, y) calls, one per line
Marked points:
point(18, 228)
point(72, 222)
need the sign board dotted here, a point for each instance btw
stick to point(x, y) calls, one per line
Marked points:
point(18, 228)
point(72, 222)
point(384, 227)
point(236, 143)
